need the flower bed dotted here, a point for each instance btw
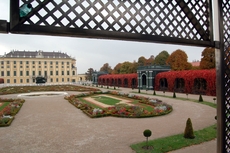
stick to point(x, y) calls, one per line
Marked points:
point(27, 89)
point(7, 113)
point(140, 107)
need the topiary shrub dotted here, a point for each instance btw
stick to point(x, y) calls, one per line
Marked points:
point(174, 94)
point(147, 133)
point(200, 98)
point(188, 132)
point(154, 92)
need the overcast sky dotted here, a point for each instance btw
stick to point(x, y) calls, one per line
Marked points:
point(89, 53)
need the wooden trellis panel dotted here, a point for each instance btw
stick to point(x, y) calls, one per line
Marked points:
point(170, 21)
point(225, 76)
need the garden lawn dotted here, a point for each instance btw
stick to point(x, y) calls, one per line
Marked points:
point(89, 103)
point(3, 105)
point(145, 106)
point(106, 100)
point(175, 142)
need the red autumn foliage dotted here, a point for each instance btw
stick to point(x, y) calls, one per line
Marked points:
point(189, 77)
point(121, 80)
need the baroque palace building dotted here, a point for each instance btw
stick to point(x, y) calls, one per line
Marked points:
point(22, 67)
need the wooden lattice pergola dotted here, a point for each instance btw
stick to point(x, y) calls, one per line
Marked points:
point(185, 22)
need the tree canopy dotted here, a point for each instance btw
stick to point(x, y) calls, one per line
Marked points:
point(106, 68)
point(141, 61)
point(89, 74)
point(178, 60)
point(161, 58)
point(208, 58)
point(126, 68)
point(116, 69)
point(150, 60)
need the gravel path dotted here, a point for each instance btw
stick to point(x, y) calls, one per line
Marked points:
point(51, 124)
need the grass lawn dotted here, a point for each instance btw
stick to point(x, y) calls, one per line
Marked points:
point(175, 142)
point(106, 100)
point(147, 107)
point(4, 105)
point(89, 103)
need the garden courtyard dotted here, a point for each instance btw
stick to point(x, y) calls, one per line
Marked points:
point(51, 124)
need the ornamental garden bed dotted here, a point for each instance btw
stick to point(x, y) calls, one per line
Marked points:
point(118, 104)
point(8, 109)
point(27, 89)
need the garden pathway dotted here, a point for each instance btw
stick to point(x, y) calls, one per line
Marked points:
point(46, 125)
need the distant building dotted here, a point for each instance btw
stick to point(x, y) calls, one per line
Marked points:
point(195, 63)
point(143, 79)
point(147, 74)
point(23, 67)
point(96, 75)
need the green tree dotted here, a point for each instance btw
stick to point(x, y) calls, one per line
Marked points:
point(133, 68)
point(141, 61)
point(89, 74)
point(106, 68)
point(178, 60)
point(117, 68)
point(150, 61)
point(208, 58)
point(126, 68)
point(161, 58)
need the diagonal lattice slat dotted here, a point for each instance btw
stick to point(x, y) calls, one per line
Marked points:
point(159, 18)
point(226, 33)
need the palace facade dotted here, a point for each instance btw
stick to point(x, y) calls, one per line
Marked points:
point(23, 67)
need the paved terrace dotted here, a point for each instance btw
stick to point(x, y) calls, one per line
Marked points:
point(51, 124)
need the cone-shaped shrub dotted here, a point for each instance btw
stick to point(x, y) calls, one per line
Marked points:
point(188, 132)
point(154, 92)
point(174, 95)
point(200, 99)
